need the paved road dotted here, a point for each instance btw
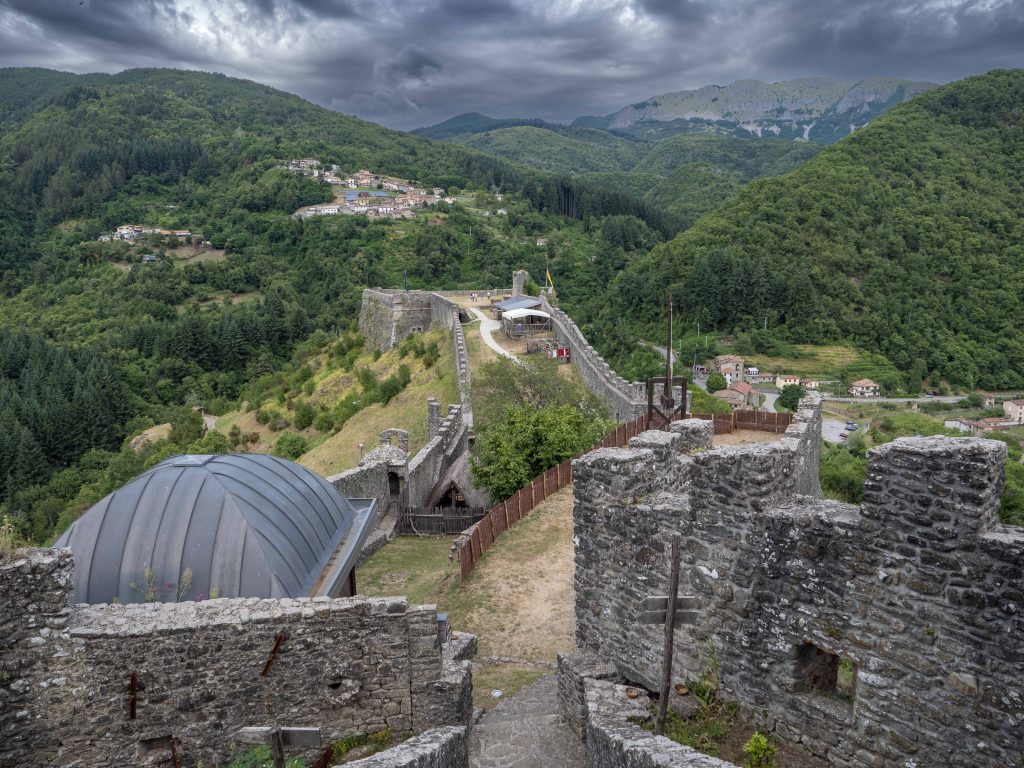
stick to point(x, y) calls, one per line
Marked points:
point(487, 327)
point(870, 400)
point(526, 731)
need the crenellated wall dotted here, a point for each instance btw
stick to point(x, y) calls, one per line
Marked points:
point(204, 670)
point(917, 594)
point(625, 400)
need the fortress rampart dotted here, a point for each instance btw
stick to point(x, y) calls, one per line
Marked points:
point(625, 400)
point(885, 635)
point(203, 670)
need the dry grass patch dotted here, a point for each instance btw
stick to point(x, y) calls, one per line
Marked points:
point(824, 362)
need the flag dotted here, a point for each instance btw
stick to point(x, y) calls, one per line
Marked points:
point(550, 282)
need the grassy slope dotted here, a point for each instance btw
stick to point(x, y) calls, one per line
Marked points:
point(408, 410)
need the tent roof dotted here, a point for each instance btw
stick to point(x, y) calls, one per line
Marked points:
point(517, 302)
point(515, 314)
point(245, 525)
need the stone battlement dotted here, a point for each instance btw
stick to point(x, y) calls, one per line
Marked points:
point(203, 670)
point(624, 399)
point(885, 635)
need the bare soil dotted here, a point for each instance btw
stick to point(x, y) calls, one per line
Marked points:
point(745, 437)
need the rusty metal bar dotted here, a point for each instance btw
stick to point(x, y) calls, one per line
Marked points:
point(133, 692)
point(278, 641)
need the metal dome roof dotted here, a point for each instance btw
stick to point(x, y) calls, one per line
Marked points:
point(244, 525)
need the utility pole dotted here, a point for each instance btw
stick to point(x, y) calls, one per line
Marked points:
point(666, 398)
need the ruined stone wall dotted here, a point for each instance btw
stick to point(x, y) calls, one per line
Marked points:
point(426, 468)
point(625, 400)
point(349, 666)
point(439, 748)
point(919, 589)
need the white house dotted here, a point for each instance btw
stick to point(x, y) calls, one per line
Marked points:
point(786, 379)
point(865, 388)
point(1013, 410)
point(809, 383)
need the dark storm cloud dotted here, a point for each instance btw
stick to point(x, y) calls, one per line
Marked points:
point(413, 62)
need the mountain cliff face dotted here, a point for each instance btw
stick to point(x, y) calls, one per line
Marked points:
point(813, 109)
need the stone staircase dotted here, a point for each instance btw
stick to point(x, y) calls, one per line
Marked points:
point(526, 731)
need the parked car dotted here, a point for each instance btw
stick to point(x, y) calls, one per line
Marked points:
point(843, 435)
point(851, 426)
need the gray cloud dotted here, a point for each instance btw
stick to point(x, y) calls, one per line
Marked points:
point(413, 62)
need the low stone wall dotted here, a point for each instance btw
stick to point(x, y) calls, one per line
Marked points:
point(367, 481)
point(625, 400)
point(204, 670)
point(614, 742)
point(437, 748)
point(916, 593)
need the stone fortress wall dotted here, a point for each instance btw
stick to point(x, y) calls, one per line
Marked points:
point(203, 670)
point(625, 400)
point(919, 590)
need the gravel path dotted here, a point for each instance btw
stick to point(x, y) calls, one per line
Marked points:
point(487, 327)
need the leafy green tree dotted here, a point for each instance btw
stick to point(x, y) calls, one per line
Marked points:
point(790, 396)
point(716, 382)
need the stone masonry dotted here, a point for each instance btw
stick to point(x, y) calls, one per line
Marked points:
point(203, 670)
point(625, 400)
point(885, 635)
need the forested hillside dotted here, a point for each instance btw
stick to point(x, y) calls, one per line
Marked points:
point(905, 238)
point(110, 344)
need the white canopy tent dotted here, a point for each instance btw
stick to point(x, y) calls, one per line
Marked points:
point(519, 322)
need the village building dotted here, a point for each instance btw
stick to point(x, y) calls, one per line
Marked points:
point(988, 400)
point(786, 379)
point(751, 397)
point(967, 426)
point(1014, 411)
point(731, 396)
point(810, 384)
point(730, 366)
point(865, 388)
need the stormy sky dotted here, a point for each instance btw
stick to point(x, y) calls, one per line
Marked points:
point(408, 63)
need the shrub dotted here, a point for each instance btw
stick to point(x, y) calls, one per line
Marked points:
point(304, 414)
point(263, 417)
point(278, 423)
point(290, 445)
point(759, 751)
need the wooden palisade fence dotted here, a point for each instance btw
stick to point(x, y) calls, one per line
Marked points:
point(503, 515)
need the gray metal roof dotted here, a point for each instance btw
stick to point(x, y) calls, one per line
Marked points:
point(518, 302)
point(246, 525)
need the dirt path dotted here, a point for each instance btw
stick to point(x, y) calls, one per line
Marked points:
point(520, 598)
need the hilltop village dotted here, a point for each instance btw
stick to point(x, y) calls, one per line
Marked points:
point(364, 192)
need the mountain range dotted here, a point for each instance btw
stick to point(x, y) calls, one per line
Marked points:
point(816, 109)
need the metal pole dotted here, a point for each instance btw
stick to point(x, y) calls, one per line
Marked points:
point(670, 627)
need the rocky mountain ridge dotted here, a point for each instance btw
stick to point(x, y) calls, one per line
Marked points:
point(813, 109)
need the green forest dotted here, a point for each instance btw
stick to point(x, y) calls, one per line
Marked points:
point(903, 240)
